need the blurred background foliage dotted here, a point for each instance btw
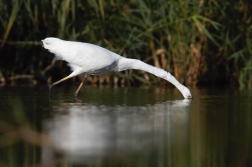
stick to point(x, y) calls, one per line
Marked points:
point(198, 41)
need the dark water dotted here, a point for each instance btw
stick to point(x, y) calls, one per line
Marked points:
point(145, 127)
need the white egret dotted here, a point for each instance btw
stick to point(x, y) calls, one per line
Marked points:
point(89, 59)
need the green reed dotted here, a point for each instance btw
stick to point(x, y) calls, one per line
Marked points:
point(200, 42)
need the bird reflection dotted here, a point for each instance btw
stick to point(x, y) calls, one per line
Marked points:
point(88, 132)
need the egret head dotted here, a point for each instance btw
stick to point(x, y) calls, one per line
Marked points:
point(186, 92)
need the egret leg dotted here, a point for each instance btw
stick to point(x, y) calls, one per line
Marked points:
point(55, 83)
point(77, 91)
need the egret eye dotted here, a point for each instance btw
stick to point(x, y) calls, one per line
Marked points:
point(189, 97)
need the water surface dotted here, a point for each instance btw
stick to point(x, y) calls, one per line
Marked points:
point(147, 126)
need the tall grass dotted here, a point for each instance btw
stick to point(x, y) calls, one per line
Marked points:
point(198, 41)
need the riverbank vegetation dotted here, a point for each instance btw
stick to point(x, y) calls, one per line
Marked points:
point(200, 42)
